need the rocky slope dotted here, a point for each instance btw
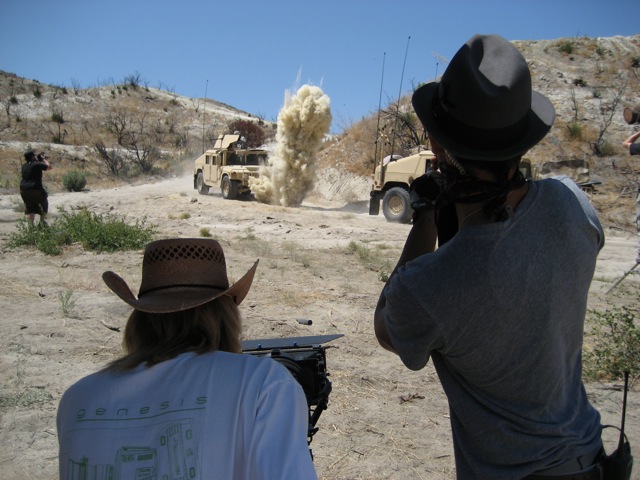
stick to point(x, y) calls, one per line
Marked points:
point(589, 80)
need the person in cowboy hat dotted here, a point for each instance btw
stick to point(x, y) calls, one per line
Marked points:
point(183, 401)
point(500, 307)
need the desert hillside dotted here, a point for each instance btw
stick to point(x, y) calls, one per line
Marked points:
point(590, 81)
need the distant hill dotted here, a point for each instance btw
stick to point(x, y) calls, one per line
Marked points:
point(589, 80)
point(68, 122)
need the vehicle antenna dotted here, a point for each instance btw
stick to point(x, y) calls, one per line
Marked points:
point(441, 58)
point(375, 155)
point(204, 108)
point(395, 126)
point(435, 79)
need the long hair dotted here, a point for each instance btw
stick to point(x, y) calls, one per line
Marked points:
point(151, 338)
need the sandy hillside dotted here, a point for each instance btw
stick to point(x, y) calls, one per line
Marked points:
point(383, 422)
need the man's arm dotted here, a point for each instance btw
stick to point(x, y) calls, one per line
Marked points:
point(627, 143)
point(421, 240)
point(44, 164)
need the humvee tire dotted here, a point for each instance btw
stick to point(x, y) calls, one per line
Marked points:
point(396, 206)
point(229, 188)
point(203, 189)
point(374, 206)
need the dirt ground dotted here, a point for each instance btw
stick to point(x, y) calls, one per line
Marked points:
point(383, 421)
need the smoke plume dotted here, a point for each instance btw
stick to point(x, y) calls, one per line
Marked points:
point(303, 122)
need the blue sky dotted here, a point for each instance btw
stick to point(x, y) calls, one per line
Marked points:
point(247, 53)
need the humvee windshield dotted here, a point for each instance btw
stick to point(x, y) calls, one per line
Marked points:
point(256, 159)
point(234, 159)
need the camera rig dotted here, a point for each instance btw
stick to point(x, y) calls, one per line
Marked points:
point(305, 358)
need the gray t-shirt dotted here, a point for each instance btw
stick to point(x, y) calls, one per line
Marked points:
point(500, 309)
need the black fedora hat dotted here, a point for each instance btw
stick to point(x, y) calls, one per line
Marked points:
point(483, 107)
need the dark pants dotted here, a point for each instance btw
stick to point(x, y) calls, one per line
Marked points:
point(35, 201)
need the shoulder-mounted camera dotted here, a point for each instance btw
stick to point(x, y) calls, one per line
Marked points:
point(305, 358)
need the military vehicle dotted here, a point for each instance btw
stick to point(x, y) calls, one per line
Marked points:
point(391, 180)
point(228, 165)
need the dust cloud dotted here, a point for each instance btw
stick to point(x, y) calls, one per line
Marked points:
point(303, 122)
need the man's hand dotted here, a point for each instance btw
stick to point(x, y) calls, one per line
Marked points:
point(627, 143)
point(427, 190)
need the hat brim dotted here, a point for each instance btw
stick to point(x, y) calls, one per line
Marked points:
point(541, 117)
point(177, 299)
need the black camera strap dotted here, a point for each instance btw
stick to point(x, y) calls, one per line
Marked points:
point(618, 465)
point(624, 409)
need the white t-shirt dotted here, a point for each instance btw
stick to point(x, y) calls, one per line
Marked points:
point(216, 416)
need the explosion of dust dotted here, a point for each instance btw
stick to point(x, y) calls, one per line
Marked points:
point(303, 122)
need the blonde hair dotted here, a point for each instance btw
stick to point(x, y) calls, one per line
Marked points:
point(151, 338)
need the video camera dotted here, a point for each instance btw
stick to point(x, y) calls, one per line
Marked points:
point(305, 358)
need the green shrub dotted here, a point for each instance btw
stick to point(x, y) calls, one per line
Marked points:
point(575, 130)
point(57, 117)
point(383, 275)
point(46, 239)
point(67, 302)
point(607, 149)
point(74, 181)
point(101, 233)
point(616, 344)
point(566, 47)
point(362, 251)
point(105, 233)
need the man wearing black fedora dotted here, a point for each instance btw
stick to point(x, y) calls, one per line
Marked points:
point(183, 401)
point(500, 307)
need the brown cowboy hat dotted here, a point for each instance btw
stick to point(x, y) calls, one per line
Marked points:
point(179, 274)
point(483, 107)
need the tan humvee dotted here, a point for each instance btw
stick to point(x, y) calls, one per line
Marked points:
point(391, 180)
point(228, 165)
